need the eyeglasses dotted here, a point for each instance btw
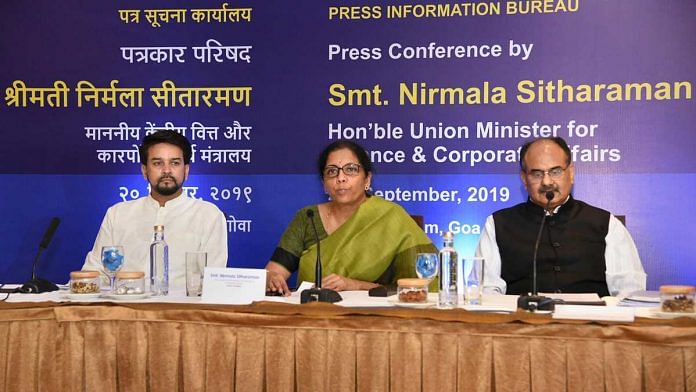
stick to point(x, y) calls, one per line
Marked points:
point(555, 173)
point(349, 169)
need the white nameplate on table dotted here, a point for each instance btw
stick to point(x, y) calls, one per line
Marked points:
point(596, 313)
point(239, 286)
point(573, 297)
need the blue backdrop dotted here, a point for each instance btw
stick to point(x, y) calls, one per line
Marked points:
point(315, 72)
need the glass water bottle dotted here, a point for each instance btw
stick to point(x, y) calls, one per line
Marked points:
point(447, 297)
point(159, 263)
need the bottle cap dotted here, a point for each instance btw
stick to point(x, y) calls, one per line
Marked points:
point(448, 235)
point(159, 227)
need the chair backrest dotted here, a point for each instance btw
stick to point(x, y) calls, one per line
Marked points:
point(419, 220)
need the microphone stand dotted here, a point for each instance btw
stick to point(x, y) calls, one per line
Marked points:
point(317, 294)
point(533, 301)
point(38, 285)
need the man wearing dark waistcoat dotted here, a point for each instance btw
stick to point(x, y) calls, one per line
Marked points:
point(583, 249)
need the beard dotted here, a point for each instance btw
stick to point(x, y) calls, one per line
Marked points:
point(167, 190)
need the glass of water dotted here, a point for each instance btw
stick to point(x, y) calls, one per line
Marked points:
point(473, 279)
point(112, 260)
point(195, 266)
point(426, 265)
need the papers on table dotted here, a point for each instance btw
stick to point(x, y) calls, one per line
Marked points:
point(490, 303)
point(639, 304)
point(496, 303)
point(657, 312)
point(641, 299)
point(595, 313)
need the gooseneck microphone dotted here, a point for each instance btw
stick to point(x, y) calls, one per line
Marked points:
point(38, 285)
point(317, 294)
point(317, 268)
point(547, 211)
point(533, 301)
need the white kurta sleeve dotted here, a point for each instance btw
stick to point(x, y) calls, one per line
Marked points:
point(104, 238)
point(625, 272)
point(215, 242)
point(488, 249)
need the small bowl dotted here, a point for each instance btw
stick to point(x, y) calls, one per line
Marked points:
point(84, 282)
point(677, 299)
point(129, 283)
point(413, 290)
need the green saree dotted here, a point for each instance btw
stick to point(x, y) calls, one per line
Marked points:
point(378, 244)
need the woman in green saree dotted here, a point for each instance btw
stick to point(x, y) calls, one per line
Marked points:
point(365, 240)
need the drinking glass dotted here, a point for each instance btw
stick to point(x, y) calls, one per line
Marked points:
point(473, 279)
point(112, 260)
point(426, 265)
point(195, 265)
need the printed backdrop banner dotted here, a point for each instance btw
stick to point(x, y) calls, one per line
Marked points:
point(442, 95)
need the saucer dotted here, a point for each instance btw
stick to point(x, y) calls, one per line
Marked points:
point(127, 297)
point(417, 305)
point(670, 315)
point(80, 297)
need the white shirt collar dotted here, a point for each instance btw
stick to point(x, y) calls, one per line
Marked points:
point(171, 203)
point(558, 207)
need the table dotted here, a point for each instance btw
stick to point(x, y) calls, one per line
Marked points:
point(269, 346)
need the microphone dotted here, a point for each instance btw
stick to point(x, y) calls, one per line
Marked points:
point(38, 285)
point(317, 294)
point(549, 196)
point(317, 268)
point(533, 301)
point(48, 235)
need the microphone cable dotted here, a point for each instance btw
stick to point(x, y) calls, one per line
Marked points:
point(8, 293)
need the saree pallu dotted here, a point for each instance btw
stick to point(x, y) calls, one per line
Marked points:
point(380, 236)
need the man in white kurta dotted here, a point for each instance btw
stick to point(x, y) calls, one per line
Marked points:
point(189, 224)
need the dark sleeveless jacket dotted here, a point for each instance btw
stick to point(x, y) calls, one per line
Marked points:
point(571, 252)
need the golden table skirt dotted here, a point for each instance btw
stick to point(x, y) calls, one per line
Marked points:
point(321, 347)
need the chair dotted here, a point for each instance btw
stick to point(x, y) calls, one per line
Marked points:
point(419, 220)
